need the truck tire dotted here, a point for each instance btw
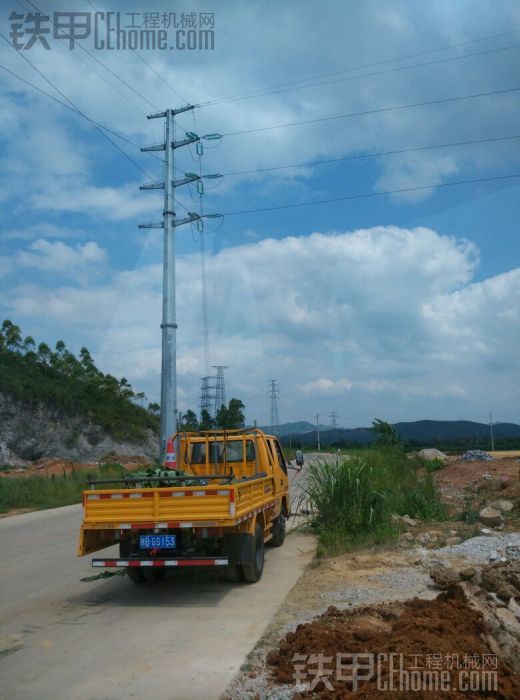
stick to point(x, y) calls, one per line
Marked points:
point(252, 571)
point(153, 574)
point(278, 531)
point(135, 574)
point(234, 573)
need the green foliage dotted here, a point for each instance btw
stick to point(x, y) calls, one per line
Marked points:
point(231, 417)
point(386, 435)
point(188, 421)
point(206, 421)
point(434, 465)
point(70, 385)
point(354, 498)
point(40, 492)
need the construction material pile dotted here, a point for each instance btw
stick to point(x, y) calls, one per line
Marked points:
point(472, 628)
point(477, 456)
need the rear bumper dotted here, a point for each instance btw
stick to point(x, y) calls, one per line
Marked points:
point(201, 561)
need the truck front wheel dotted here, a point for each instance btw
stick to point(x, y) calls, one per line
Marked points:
point(278, 531)
point(252, 571)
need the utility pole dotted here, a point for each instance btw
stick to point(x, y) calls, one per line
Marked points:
point(169, 411)
point(274, 395)
point(491, 431)
point(318, 430)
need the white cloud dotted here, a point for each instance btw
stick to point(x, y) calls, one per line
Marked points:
point(386, 319)
point(326, 386)
point(58, 257)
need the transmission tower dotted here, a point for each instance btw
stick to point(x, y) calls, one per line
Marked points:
point(274, 395)
point(334, 416)
point(206, 395)
point(220, 389)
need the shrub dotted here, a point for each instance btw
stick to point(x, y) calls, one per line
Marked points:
point(353, 499)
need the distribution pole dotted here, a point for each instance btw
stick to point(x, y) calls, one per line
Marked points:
point(491, 431)
point(169, 411)
point(318, 430)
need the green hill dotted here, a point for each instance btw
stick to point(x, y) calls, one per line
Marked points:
point(37, 376)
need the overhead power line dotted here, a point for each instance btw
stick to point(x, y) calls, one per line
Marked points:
point(371, 155)
point(363, 66)
point(265, 93)
point(379, 110)
point(94, 58)
point(366, 195)
point(75, 108)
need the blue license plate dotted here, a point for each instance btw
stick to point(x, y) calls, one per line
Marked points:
point(157, 541)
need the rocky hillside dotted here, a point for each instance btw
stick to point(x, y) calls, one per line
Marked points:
point(54, 404)
point(28, 434)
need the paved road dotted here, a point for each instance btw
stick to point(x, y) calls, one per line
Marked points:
point(181, 639)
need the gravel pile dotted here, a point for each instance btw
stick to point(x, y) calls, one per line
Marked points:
point(482, 549)
point(477, 456)
point(396, 584)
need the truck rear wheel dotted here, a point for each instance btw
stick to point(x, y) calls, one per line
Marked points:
point(153, 574)
point(252, 571)
point(135, 574)
point(278, 531)
point(234, 573)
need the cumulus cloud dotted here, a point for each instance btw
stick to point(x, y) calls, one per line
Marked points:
point(58, 257)
point(378, 318)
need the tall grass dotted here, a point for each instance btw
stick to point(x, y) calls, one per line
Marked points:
point(38, 492)
point(353, 499)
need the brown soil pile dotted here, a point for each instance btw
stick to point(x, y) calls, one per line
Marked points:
point(443, 635)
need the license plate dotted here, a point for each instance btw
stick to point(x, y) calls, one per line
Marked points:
point(157, 541)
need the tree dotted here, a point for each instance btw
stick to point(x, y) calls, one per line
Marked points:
point(386, 435)
point(154, 409)
point(188, 421)
point(44, 356)
point(236, 415)
point(87, 362)
point(231, 417)
point(206, 421)
point(11, 336)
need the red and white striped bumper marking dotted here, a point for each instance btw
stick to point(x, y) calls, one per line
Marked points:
point(116, 496)
point(123, 563)
point(165, 526)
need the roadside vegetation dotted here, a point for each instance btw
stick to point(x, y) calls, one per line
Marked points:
point(39, 492)
point(353, 497)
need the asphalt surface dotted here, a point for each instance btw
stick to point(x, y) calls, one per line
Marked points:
point(183, 638)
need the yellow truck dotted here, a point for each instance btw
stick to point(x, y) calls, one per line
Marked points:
point(227, 497)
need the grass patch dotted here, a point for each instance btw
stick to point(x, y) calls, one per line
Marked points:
point(354, 498)
point(39, 492)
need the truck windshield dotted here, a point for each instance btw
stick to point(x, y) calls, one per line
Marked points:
point(234, 452)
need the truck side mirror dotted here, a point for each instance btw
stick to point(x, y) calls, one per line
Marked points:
point(299, 458)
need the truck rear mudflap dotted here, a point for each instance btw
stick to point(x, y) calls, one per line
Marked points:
point(181, 561)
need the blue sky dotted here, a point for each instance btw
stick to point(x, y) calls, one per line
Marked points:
point(399, 306)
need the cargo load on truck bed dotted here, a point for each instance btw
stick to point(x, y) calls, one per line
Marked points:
point(226, 498)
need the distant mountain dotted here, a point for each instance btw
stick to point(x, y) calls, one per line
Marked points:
point(422, 433)
point(453, 430)
point(301, 426)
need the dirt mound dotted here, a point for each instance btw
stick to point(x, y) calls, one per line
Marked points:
point(443, 635)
